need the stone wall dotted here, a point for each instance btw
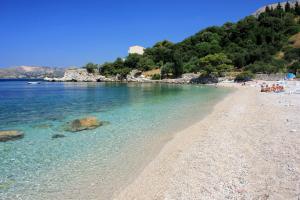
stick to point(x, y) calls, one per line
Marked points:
point(269, 77)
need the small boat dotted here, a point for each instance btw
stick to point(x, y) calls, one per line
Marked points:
point(33, 83)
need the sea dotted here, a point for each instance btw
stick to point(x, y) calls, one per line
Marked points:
point(140, 118)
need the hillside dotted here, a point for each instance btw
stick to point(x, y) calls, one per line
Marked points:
point(31, 72)
point(255, 44)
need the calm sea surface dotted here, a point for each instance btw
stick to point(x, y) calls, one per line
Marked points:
point(96, 163)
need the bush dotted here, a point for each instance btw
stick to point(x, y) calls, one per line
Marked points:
point(123, 72)
point(244, 76)
point(91, 67)
point(156, 77)
point(272, 67)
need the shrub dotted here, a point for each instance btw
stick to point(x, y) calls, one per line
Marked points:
point(156, 77)
point(91, 67)
point(244, 76)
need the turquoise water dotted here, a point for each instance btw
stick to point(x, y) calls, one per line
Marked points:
point(96, 163)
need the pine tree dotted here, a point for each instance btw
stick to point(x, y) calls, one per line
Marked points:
point(267, 9)
point(297, 8)
point(279, 7)
point(287, 7)
point(278, 12)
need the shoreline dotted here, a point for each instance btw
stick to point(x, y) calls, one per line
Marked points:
point(198, 161)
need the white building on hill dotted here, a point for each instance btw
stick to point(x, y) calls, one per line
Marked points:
point(136, 49)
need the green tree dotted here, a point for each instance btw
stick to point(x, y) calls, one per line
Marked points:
point(91, 67)
point(297, 8)
point(215, 64)
point(167, 69)
point(244, 76)
point(292, 55)
point(178, 64)
point(294, 68)
point(132, 60)
point(191, 66)
point(146, 63)
point(267, 10)
point(161, 51)
point(287, 7)
point(279, 7)
point(106, 69)
point(273, 66)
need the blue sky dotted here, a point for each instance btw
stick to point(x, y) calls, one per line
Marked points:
point(73, 32)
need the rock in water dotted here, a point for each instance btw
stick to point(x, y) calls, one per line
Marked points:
point(10, 135)
point(87, 123)
point(55, 136)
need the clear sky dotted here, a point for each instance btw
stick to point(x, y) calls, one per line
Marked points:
point(73, 32)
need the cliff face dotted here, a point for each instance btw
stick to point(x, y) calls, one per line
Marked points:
point(31, 72)
point(262, 9)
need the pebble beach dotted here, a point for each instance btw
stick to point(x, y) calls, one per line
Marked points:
point(248, 147)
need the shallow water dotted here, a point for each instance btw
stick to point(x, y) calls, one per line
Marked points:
point(96, 163)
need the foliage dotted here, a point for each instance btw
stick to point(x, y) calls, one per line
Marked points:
point(167, 69)
point(294, 68)
point(244, 76)
point(91, 67)
point(145, 64)
point(266, 67)
point(250, 44)
point(292, 55)
point(215, 64)
point(156, 77)
point(191, 66)
point(132, 61)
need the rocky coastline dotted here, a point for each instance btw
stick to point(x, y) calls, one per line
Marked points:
point(81, 75)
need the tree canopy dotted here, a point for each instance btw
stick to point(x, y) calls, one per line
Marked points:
point(250, 44)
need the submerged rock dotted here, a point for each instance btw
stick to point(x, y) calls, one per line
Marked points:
point(6, 185)
point(10, 135)
point(87, 123)
point(42, 126)
point(55, 136)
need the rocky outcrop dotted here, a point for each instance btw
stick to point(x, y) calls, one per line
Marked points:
point(184, 79)
point(56, 136)
point(10, 135)
point(78, 75)
point(136, 76)
point(205, 80)
point(87, 123)
point(81, 75)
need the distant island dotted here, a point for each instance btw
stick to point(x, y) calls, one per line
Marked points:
point(31, 72)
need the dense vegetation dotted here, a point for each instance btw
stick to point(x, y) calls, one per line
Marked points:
point(254, 44)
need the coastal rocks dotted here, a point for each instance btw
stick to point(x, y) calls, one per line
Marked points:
point(136, 76)
point(87, 123)
point(10, 135)
point(78, 75)
point(184, 79)
point(56, 136)
point(81, 75)
point(205, 80)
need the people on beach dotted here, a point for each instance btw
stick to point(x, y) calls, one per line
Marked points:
point(274, 88)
